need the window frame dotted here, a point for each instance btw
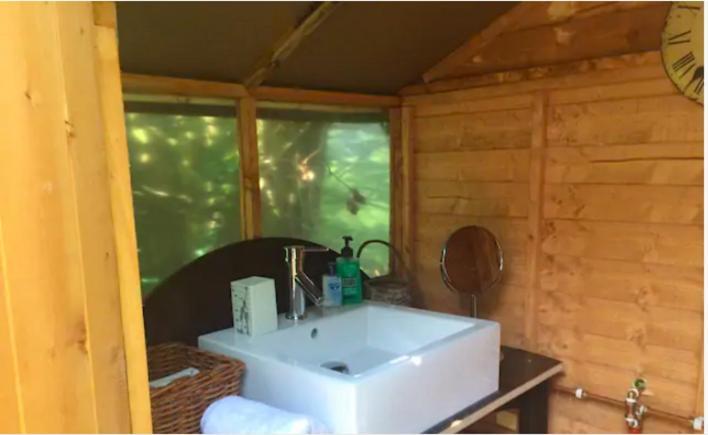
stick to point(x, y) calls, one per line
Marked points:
point(246, 101)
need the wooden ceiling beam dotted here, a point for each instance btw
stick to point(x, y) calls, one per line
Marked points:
point(307, 96)
point(649, 59)
point(160, 85)
point(287, 44)
point(149, 84)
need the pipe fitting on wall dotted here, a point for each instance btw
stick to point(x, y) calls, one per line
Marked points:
point(634, 410)
point(579, 393)
point(697, 424)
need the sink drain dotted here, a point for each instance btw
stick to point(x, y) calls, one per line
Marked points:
point(337, 367)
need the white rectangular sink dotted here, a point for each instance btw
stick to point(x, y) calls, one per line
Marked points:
point(406, 369)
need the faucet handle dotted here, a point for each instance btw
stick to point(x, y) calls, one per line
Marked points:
point(303, 248)
point(315, 249)
point(296, 253)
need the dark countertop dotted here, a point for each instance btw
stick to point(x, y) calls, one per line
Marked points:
point(519, 371)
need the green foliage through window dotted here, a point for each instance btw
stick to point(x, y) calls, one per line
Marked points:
point(322, 174)
point(326, 175)
point(185, 177)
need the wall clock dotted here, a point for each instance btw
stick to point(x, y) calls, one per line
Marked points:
point(682, 48)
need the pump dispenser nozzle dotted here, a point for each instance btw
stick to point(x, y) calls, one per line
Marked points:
point(347, 251)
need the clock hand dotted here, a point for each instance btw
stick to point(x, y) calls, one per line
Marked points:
point(697, 74)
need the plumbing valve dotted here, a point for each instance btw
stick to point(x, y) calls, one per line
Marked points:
point(697, 423)
point(635, 411)
point(633, 425)
point(640, 384)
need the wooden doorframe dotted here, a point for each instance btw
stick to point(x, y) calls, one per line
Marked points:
point(109, 80)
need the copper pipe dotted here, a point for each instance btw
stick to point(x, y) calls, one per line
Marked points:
point(619, 403)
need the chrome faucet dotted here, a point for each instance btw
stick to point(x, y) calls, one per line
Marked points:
point(299, 284)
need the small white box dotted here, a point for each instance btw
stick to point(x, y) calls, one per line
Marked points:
point(253, 305)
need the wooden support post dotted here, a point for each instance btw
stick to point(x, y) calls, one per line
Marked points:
point(250, 178)
point(533, 409)
point(407, 194)
point(699, 387)
point(535, 213)
point(396, 201)
point(109, 82)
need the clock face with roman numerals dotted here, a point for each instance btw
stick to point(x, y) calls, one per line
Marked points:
point(682, 48)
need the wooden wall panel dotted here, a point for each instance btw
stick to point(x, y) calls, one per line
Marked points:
point(677, 164)
point(614, 33)
point(490, 166)
point(545, 33)
point(624, 281)
point(60, 287)
point(681, 245)
point(649, 120)
point(473, 198)
point(90, 174)
point(472, 168)
point(598, 205)
point(475, 131)
point(10, 419)
point(54, 366)
point(626, 203)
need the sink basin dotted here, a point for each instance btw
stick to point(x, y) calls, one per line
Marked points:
point(372, 368)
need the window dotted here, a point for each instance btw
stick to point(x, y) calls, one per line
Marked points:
point(185, 178)
point(325, 174)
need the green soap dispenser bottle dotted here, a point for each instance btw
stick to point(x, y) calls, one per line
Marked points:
point(348, 271)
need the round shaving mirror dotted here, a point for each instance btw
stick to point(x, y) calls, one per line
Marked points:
point(471, 262)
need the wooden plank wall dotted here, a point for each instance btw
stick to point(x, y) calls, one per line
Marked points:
point(62, 353)
point(109, 82)
point(542, 33)
point(593, 183)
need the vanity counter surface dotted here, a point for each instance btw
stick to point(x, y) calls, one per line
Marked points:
point(521, 373)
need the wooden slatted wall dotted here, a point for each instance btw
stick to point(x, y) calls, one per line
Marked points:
point(472, 167)
point(64, 272)
point(593, 183)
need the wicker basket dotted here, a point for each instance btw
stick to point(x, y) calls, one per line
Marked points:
point(389, 289)
point(178, 407)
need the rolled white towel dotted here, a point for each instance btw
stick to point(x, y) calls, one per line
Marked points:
point(167, 380)
point(236, 415)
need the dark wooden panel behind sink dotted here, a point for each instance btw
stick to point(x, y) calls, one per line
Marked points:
point(197, 298)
